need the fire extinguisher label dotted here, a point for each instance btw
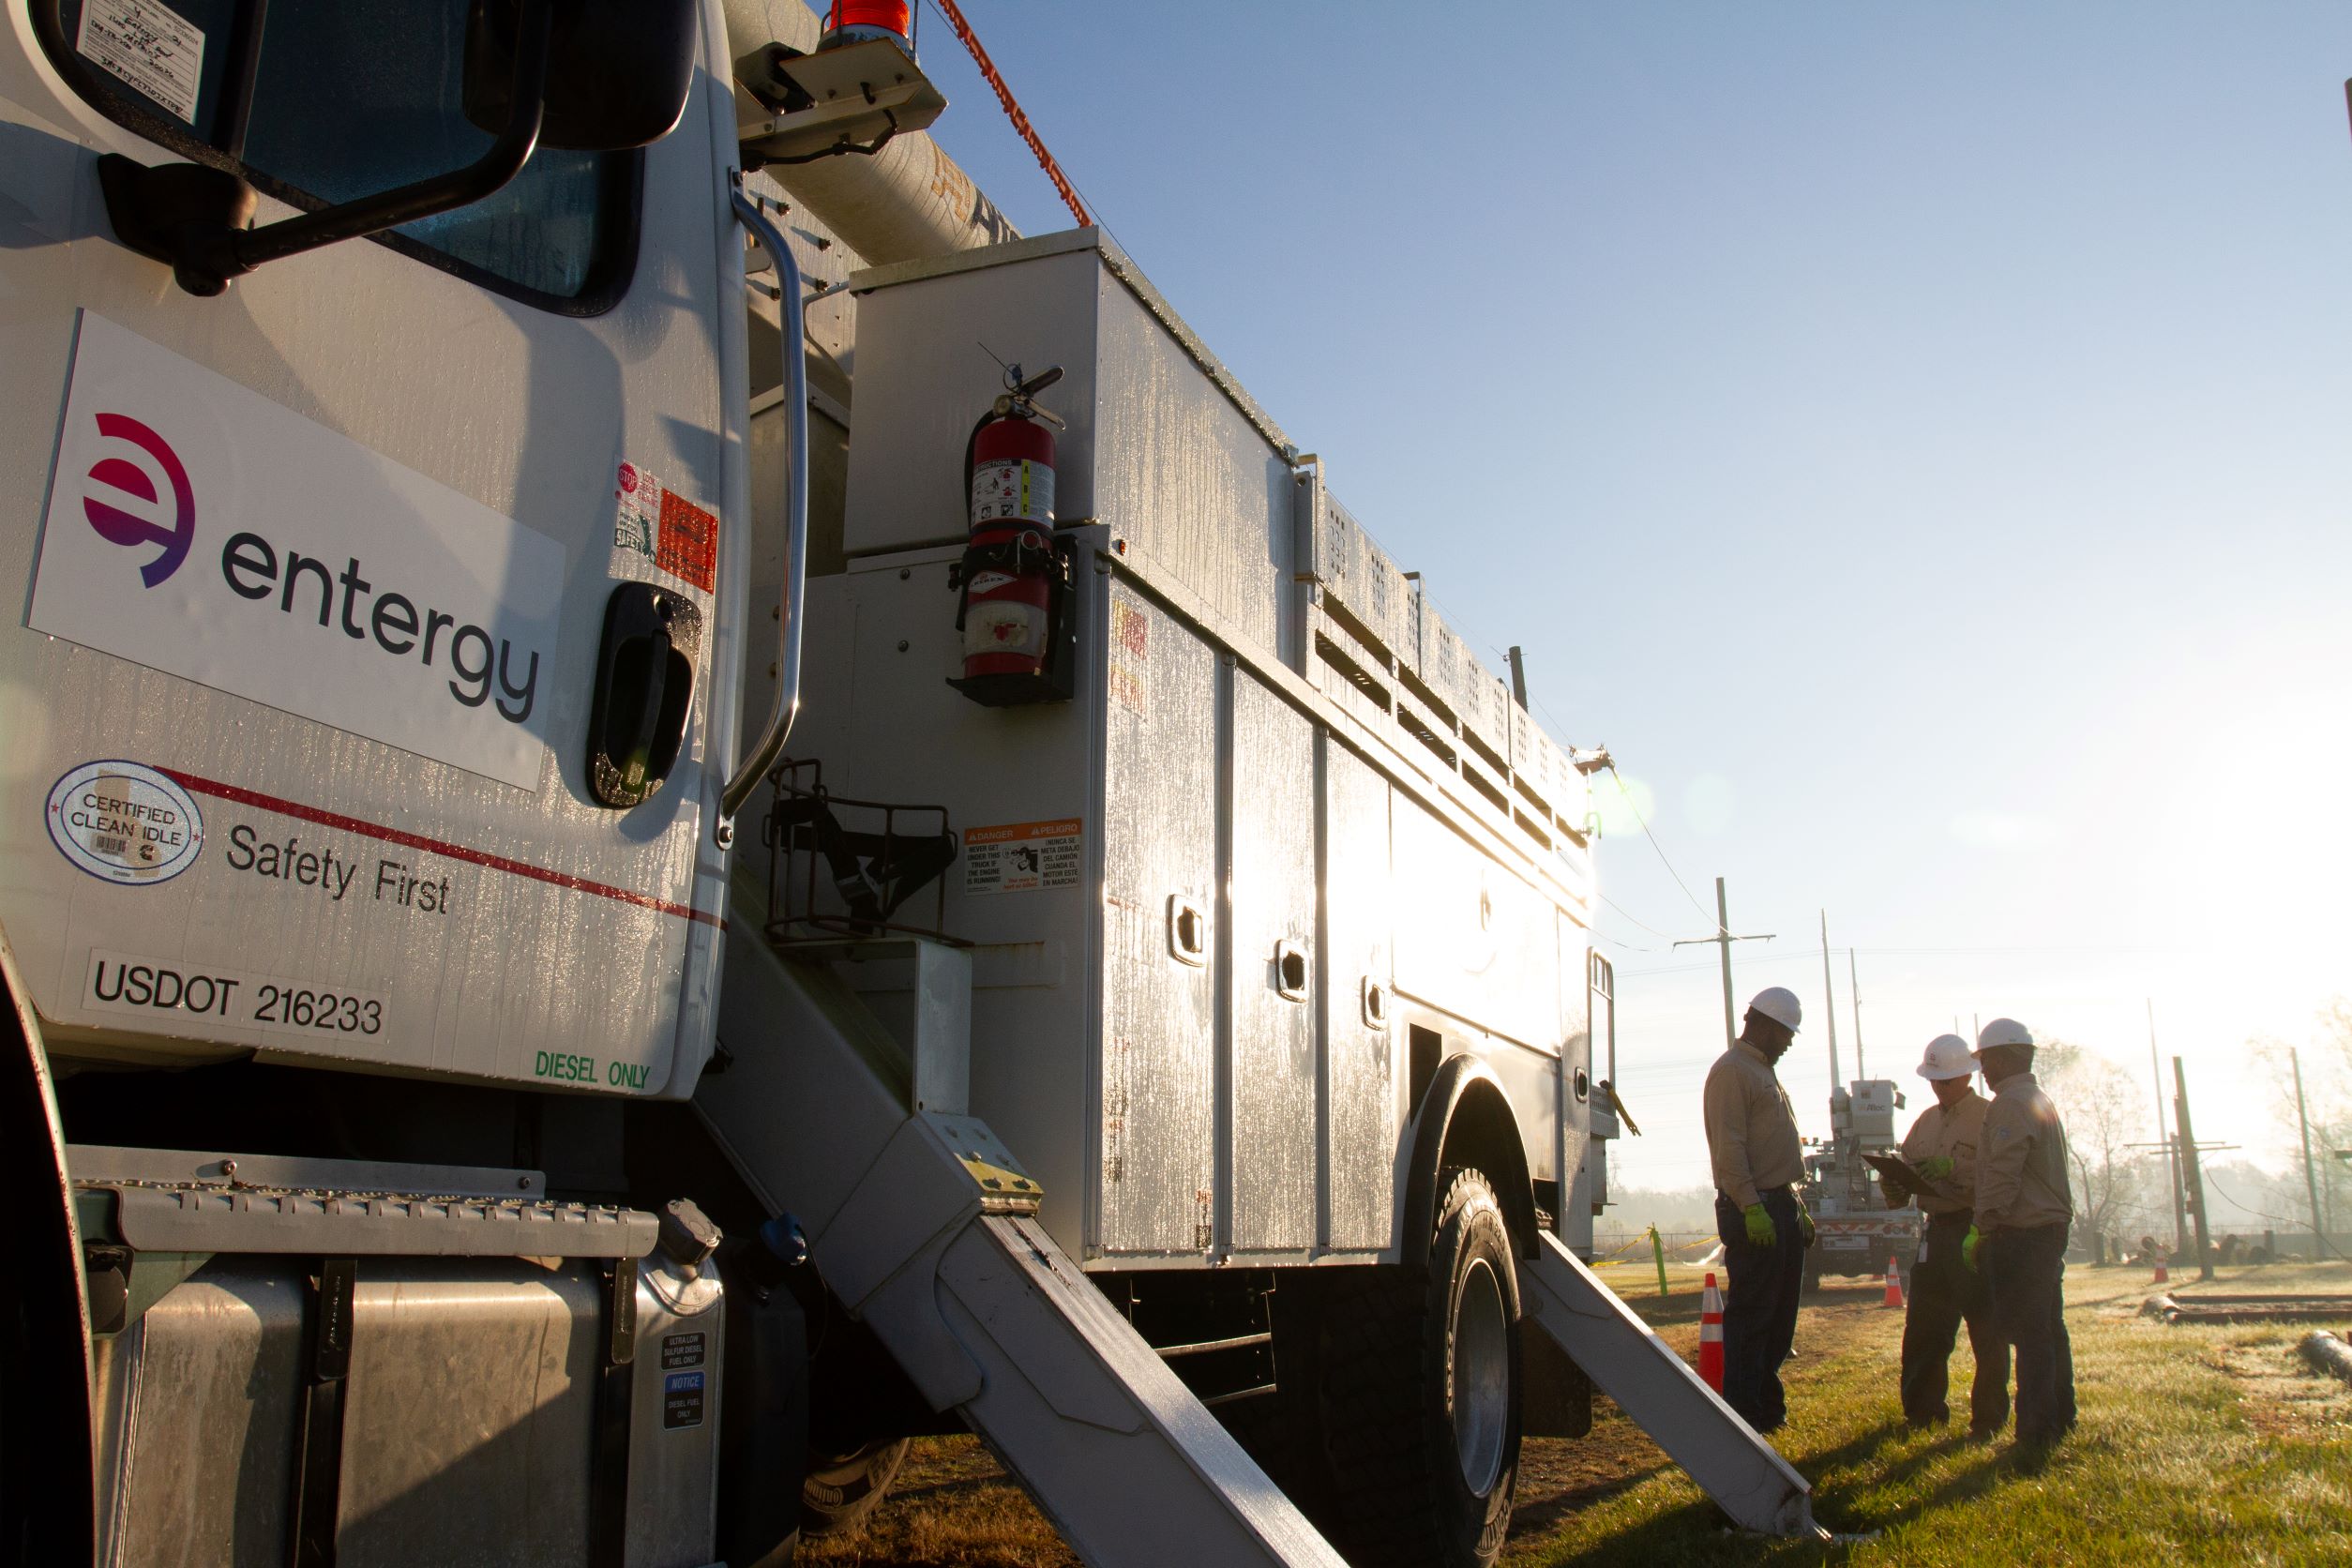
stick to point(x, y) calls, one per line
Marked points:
point(1012, 488)
point(1006, 626)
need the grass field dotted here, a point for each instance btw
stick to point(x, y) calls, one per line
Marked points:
point(2205, 1445)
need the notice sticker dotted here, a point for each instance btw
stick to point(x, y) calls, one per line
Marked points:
point(681, 1399)
point(150, 46)
point(665, 528)
point(1022, 857)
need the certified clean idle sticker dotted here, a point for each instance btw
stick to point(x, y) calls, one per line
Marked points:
point(125, 821)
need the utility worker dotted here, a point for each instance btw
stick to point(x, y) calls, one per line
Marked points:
point(1942, 1147)
point(2023, 1214)
point(1752, 1144)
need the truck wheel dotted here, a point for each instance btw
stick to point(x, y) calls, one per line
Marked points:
point(1420, 1389)
point(841, 1489)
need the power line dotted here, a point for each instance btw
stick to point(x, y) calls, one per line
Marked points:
point(1635, 918)
point(1632, 805)
point(1914, 953)
point(2248, 1208)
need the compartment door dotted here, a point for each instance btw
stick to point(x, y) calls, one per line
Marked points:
point(1156, 1136)
point(1272, 973)
point(1359, 1027)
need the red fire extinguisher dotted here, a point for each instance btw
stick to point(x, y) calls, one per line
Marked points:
point(1011, 574)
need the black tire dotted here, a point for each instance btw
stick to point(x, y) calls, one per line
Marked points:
point(839, 1490)
point(1408, 1487)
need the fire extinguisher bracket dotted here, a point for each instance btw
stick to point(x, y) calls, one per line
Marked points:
point(1053, 678)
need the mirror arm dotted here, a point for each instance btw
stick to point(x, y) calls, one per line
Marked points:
point(779, 727)
point(426, 198)
point(192, 216)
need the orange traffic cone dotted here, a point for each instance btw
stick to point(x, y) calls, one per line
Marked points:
point(1711, 1336)
point(2162, 1277)
point(1895, 1286)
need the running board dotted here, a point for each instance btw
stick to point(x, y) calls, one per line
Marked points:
point(926, 1229)
point(1662, 1396)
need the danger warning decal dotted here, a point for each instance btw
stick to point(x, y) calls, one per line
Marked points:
point(1022, 857)
point(665, 528)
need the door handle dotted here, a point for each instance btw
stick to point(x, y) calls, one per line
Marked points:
point(1187, 931)
point(644, 692)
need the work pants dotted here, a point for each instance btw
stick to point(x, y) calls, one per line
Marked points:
point(1759, 1319)
point(1945, 1294)
point(2024, 1271)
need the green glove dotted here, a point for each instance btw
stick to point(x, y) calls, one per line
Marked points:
point(1935, 1169)
point(1804, 1222)
point(1968, 1249)
point(1761, 1231)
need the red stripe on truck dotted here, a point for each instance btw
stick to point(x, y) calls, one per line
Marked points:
point(244, 796)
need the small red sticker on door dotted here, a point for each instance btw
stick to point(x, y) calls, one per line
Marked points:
point(688, 546)
point(657, 523)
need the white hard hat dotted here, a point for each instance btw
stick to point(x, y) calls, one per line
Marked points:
point(2004, 1032)
point(1778, 1003)
point(1947, 1058)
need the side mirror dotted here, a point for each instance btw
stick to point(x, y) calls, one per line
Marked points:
point(618, 70)
point(602, 76)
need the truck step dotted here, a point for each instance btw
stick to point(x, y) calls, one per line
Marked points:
point(1657, 1389)
point(924, 1228)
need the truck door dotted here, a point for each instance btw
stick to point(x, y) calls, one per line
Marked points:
point(315, 573)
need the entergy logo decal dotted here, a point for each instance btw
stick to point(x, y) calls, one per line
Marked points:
point(332, 584)
point(112, 478)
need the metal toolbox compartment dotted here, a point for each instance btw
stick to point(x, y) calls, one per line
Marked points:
point(1218, 894)
point(1189, 1007)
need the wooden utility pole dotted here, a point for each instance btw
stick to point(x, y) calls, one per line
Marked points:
point(2172, 1148)
point(2189, 1168)
point(1723, 939)
point(2310, 1182)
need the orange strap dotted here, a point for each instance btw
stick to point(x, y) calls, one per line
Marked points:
point(1013, 110)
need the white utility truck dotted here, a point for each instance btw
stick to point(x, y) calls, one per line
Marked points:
point(608, 909)
point(1861, 1231)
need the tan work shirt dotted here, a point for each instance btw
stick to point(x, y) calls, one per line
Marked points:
point(2021, 1160)
point(1948, 1133)
point(1751, 1131)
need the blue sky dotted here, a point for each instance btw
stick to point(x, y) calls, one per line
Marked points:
point(1912, 438)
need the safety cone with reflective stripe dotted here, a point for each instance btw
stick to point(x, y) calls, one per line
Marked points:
point(1895, 1286)
point(2162, 1277)
point(1711, 1336)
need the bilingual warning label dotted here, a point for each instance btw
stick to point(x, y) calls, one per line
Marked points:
point(1022, 857)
